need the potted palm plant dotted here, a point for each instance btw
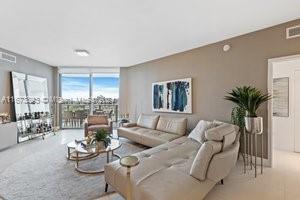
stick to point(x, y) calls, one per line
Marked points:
point(101, 139)
point(248, 99)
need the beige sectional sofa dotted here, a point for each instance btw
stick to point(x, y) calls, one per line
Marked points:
point(153, 130)
point(181, 169)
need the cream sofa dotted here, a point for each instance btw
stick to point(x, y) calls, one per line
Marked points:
point(153, 130)
point(181, 169)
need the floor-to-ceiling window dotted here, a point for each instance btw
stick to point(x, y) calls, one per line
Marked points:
point(105, 95)
point(85, 94)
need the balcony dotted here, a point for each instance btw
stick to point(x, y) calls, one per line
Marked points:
point(74, 115)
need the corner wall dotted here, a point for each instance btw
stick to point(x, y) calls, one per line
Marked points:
point(213, 71)
point(24, 65)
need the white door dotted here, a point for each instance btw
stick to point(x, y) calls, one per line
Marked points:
point(297, 111)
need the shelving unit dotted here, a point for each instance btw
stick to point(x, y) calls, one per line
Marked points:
point(32, 106)
point(34, 127)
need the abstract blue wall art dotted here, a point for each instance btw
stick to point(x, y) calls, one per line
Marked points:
point(172, 96)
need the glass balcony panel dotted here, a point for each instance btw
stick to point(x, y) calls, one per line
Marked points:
point(74, 115)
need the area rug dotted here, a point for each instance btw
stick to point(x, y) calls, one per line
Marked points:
point(49, 175)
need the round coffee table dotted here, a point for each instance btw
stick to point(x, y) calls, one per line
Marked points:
point(71, 152)
point(80, 149)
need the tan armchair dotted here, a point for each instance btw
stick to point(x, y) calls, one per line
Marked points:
point(94, 122)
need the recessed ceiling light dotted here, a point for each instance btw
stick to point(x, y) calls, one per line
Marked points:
point(81, 52)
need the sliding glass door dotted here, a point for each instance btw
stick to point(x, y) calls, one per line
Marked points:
point(85, 94)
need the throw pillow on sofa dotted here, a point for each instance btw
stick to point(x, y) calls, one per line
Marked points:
point(198, 133)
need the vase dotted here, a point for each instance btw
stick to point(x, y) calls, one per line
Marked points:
point(254, 125)
point(100, 145)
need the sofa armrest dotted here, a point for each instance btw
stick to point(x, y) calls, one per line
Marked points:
point(128, 125)
point(222, 163)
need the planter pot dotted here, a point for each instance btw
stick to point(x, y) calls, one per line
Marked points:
point(254, 125)
point(100, 145)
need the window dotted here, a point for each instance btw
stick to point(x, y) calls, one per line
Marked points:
point(75, 86)
point(105, 93)
point(88, 93)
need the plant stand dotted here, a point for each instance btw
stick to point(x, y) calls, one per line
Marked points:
point(250, 151)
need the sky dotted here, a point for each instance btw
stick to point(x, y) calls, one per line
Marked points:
point(74, 87)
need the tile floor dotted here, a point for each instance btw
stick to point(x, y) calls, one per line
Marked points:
point(279, 183)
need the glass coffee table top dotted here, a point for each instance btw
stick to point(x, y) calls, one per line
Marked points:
point(115, 144)
point(92, 151)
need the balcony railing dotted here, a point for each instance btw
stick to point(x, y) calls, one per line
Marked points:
point(74, 115)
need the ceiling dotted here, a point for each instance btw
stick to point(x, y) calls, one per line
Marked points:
point(127, 32)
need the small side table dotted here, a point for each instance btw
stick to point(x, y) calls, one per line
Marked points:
point(128, 162)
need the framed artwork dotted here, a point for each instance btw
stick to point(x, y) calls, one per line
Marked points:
point(281, 97)
point(172, 96)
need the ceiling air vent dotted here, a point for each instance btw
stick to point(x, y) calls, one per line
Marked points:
point(293, 32)
point(8, 57)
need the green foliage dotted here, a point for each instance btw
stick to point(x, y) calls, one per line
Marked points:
point(248, 98)
point(102, 135)
point(237, 116)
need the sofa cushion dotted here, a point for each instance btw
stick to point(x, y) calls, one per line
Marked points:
point(152, 138)
point(172, 125)
point(203, 158)
point(147, 121)
point(198, 133)
point(130, 133)
point(218, 133)
point(145, 136)
point(218, 123)
point(226, 133)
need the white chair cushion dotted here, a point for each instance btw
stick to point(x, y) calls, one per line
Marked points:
point(198, 133)
point(147, 121)
point(203, 158)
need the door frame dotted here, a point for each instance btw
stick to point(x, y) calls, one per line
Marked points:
point(271, 62)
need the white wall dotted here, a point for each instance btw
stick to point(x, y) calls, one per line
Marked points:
point(284, 127)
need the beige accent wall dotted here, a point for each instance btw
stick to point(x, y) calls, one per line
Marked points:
point(214, 72)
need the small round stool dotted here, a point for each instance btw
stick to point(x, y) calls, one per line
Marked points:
point(128, 162)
